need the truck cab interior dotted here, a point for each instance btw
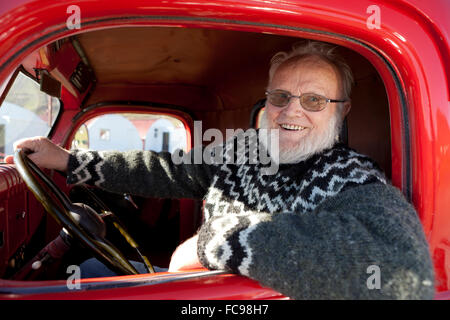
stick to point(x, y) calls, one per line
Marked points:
point(142, 75)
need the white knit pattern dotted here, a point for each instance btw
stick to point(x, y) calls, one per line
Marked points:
point(82, 172)
point(237, 194)
point(98, 170)
point(243, 237)
point(218, 242)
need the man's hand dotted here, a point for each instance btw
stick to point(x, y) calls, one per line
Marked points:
point(185, 256)
point(44, 153)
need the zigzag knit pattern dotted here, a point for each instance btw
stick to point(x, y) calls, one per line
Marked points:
point(87, 168)
point(241, 197)
point(294, 188)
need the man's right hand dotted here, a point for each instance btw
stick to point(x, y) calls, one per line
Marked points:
point(43, 153)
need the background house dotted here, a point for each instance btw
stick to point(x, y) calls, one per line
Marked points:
point(113, 132)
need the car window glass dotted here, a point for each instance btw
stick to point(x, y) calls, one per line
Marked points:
point(25, 112)
point(131, 131)
point(5, 83)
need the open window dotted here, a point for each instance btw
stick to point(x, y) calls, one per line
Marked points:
point(25, 111)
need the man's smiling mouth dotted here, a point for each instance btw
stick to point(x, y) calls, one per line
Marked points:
point(291, 127)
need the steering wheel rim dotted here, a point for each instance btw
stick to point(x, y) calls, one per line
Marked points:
point(106, 213)
point(101, 247)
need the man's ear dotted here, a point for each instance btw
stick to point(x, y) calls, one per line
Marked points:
point(347, 107)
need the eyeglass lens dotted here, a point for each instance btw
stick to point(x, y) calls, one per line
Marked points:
point(309, 101)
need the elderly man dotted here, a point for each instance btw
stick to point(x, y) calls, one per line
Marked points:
point(321, 227)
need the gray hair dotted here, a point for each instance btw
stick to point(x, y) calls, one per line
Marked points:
point(322, 50)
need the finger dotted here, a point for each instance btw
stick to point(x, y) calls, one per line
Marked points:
point(34, 158)
point(31, 147)
point(9, 159)
point(28, 144)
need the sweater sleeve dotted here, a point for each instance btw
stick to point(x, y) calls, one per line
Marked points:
point(365, 243)
point(141, 173)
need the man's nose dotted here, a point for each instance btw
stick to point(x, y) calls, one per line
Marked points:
point(294, 107)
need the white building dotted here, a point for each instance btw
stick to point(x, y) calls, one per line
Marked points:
point(16, 123)
point(164, 136)
point(113, 132)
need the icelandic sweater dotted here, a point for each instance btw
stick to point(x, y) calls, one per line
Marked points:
point(329, 227)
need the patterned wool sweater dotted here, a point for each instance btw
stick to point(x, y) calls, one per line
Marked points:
point(313, 230)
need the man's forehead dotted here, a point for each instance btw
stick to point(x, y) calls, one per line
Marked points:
point(307, 62)
point(311, 71)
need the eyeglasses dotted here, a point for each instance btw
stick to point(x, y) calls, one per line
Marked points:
point(309, 101)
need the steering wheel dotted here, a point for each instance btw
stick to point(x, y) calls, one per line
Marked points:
point(78, 219)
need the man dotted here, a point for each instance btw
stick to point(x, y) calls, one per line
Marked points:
point(313, 230)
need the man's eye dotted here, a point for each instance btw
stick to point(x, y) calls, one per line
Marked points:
point(280, 95)
point(314, 99)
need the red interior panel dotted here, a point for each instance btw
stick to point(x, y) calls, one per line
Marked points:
point(18, 220)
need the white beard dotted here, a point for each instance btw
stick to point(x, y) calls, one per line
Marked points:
point(309, 145)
